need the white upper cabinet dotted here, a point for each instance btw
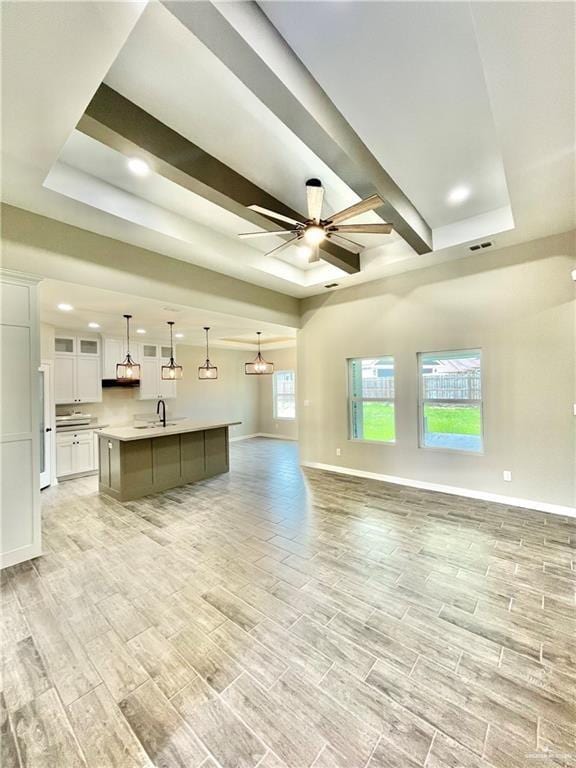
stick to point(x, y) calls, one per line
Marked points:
point(152, 386)
point(113, 352)
point(65, 379)
point(77, 377)
point(88, 381)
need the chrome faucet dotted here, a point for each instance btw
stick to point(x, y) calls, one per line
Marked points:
point(163, 404)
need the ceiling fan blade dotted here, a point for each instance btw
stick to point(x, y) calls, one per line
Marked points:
point(274, 251)
point(346, 239)
point(368, 229)
point(372, 202)
point(272, 215)
point(266, 234)
point(314, 256)
point(315, 197)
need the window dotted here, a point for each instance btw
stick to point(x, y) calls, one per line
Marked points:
point(284, 383)
point(451, 400)
point(371, 399)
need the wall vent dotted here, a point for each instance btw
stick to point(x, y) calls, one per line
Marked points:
point(478, 246)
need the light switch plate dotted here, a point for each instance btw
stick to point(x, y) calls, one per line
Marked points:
point(507, 475)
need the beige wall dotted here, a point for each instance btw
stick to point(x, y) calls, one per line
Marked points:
point(284, 360)
point(49, 248)
point(232, 397)
point(517, 305)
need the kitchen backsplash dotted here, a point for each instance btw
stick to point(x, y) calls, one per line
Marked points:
point(118, 407)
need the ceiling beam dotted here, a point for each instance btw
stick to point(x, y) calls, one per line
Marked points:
point(122, 125)
point(313, 117)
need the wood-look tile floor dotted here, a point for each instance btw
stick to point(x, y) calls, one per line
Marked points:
point(274, 618)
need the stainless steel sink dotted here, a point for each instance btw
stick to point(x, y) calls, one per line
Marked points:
point(156, 426)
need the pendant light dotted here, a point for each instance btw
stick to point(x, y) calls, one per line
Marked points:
point(128, 370)
point(259, 366)
point(171, 372)
point(207, 371)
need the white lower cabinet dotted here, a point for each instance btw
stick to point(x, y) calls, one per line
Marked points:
point(76, 452)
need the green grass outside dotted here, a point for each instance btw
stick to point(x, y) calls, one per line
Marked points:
point(379, 420)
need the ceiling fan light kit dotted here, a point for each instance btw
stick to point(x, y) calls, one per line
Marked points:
point(258, 366)
point(315, 230)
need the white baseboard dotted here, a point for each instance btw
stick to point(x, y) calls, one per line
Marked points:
point(511, 501)
point(262, 434)
point(243, 437)
point(20, 555)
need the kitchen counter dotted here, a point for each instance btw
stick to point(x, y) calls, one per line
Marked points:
point(176, 428)
point(138, 461)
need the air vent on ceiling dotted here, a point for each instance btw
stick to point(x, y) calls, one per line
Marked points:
point(478, 246)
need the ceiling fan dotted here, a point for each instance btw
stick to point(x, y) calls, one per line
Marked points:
point(315, 229)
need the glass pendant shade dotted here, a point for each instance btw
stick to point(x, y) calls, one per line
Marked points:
point(259, 366)
point(207, 371)
point(128, 370)
point(172, 371)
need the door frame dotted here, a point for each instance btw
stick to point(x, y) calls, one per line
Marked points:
point(47, 368)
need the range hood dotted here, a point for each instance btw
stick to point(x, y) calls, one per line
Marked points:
point(116, 383)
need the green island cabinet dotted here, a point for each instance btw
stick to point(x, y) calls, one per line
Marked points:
point(133, 464)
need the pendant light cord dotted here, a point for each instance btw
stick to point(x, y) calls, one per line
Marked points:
point(207, 355)
point(128, 334)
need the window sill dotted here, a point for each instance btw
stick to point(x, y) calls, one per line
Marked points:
point(371, 442)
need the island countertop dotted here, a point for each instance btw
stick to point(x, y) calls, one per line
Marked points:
point(145, 433)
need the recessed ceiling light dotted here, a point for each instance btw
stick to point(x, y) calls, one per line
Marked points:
point(140, 330)
point(178, 335)
point(138, 167)
point(458, 195)
point(93, 325)
point(65, 307)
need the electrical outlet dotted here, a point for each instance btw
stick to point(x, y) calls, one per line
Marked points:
point(306, 403)
point(338, 452)
point(507, 475)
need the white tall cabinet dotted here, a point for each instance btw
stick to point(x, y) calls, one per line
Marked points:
point(20, 525)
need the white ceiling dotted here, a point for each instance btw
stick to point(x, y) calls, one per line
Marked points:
point(409, 79)
point(443, 94)
point(94, 305)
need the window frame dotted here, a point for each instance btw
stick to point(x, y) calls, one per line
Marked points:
point(275, 415)
point(351, 400)
point(422, 402)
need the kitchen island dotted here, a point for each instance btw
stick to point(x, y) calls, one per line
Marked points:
point(137, 461)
